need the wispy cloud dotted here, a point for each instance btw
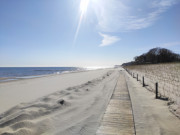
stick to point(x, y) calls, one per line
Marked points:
point(120, 16)
point(108, 40)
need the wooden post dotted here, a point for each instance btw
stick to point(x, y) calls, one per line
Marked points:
point(143, 82)
point(156, 90)
point(137, 77)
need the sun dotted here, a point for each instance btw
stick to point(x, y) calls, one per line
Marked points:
point(84, 6)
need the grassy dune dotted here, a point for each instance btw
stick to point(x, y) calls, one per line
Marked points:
point(167, 75)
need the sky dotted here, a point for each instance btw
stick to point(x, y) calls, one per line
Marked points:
point(85, 33)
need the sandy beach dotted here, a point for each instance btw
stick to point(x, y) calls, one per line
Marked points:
point(89, 67)
point(77, 104)
point(66, 104)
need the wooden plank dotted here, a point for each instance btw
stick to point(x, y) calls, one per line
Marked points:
point(118, 117)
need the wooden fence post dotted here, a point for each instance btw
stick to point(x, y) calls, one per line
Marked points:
point(143, 82)
point(156, 90)
point(137, 77)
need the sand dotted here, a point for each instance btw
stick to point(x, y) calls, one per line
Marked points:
point(68, 104)
point(15, 92)
point(75, 103)
point(151, 116)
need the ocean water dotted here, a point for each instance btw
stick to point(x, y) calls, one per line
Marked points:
point(15, 73)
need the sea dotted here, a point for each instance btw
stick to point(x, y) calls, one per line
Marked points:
point(16, 73)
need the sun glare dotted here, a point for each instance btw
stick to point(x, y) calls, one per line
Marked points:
point(84, 6)
point(83, 9)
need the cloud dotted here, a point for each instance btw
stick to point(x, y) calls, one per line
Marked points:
point(108, 40)
point(121, 16)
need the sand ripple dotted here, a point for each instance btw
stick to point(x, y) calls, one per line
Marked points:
point(45, 114)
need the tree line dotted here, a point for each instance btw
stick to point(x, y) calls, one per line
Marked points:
point(156, 55)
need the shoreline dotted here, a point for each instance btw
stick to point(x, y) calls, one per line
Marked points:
point(8, 79)
point(17, 90)
point(18, 78)
point(65, 105)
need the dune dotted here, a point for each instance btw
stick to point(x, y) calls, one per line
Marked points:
point(67, 104)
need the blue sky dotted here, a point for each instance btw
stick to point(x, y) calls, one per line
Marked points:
point(85, 32)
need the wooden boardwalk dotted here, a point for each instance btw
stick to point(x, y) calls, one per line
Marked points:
point(118, 118)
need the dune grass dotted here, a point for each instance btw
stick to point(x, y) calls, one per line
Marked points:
point(167, 75)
